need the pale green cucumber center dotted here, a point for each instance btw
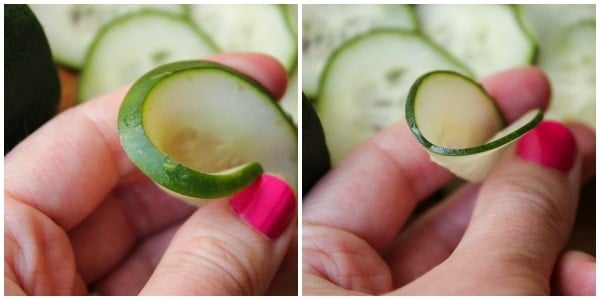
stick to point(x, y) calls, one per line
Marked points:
point(452, 113)
point(208, 122)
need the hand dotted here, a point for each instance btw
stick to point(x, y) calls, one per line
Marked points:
point(80, 218)
point(503, 236)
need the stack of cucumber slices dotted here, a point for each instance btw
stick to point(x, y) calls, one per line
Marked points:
point(198, 129)
point(371, 68)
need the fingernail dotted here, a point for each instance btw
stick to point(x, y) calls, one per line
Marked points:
point(267, 205)
point(550, 144)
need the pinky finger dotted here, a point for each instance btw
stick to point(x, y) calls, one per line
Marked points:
point(574, 275)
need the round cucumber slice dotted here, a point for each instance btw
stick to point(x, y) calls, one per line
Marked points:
point(201, 130)
point(460, 124)
point(326, 27)
point(315, 155)
point(133, 44)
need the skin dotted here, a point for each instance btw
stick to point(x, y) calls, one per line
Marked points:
point(504, 236)
point(79, 218)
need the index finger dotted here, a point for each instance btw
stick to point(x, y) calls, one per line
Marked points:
point(70, 164)
point(374, 189)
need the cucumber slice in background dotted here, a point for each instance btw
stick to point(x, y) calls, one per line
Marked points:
point(315, 155)
point(460, 124)
point(133, 44)
point(71, 28)
point(291, 13)
point(31, 84)
point(570, 63)
point(366, 81)
point(546, 21)
point(258, 28)
point(201, 130)
point(326, 27)
point(487, 38)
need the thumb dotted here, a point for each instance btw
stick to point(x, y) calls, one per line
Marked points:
point(229, 246)
point(525, 211)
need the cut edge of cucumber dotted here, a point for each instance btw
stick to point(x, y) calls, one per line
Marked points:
point(164, 170)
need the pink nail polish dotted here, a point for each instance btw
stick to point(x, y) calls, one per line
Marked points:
point(267, 205)
point(550, 144)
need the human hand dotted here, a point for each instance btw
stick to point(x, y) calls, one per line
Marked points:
point(503, 236)
point(80, 218)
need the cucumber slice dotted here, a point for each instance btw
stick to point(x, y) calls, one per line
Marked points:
point(366, 81)
point(570, 63)
point(326, 27)
point(202, 130)
point(260, 28)
point(487, 38)
point(135, 43)
point(291, 14)
point(468, 142)
point(71, 28)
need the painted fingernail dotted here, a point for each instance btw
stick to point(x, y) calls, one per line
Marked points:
point(550, 144)
point(267, 205)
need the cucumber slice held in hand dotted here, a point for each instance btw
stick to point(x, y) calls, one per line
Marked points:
point(133, 44)
point(201, 130)
point(365, 83)
point(460, 124)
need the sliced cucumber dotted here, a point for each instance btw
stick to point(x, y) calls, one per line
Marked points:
point(260, 28)
point(325, 27)
point(202, 130)
point(570, 63)
point(135, 43)
point(291, 13)
point(460, 124)
point(487, 38)
point(366, 81)
point(71, 28)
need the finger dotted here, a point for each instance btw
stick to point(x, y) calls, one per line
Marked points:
point(133, 211)
point(432, 237)
point(373, 190)
point(131, 275)
point(526, 208)
point(575, 275)
point(79, 153)
point(225, 251)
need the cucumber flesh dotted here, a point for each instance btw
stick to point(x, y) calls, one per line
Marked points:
point(326, 27)
point(201, 130)
point(259, 28)
point(133, 44)
point(468, 142)
point(487, 38)
point(571, 67)
point(366, 81)
point(71, 28)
